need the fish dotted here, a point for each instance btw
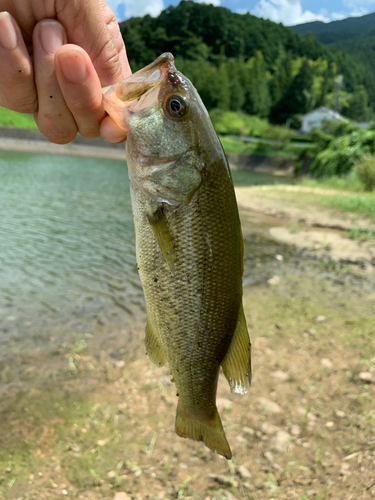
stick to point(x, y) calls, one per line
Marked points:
point(189, 244)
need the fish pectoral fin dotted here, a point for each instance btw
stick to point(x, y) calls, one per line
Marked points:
point(164, 237)
point(153, 347)
point(210, 431)
point(237, 362)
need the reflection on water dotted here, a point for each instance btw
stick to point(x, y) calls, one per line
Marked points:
point(66, 245)
point(67, 258)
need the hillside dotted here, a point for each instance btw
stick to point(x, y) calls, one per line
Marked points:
point(362, 47)
point(336, 31)
point(239, 62)
point(202, 31)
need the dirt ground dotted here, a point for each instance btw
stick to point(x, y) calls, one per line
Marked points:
point(324, 231)
point(104, 427)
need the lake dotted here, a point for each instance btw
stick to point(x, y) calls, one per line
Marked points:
point(67, 257)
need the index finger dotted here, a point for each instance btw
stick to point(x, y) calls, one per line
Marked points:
point(87, 25)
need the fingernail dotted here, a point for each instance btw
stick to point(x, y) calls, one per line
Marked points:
point(51, 36)
point(8, 36)
point(73, 66)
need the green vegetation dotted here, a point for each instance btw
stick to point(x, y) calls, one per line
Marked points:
point(13, 119)
point(365, 171)
point(334, 31)
point(243, 63)
point(363, 204)
point(345, 149)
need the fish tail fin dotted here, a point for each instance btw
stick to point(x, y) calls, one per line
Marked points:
point(210, 431)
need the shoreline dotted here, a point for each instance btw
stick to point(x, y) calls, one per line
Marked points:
point(33, 141)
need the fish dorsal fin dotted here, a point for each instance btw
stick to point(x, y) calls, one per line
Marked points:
point(237, 362)
point(153, 347)
point(164, 237)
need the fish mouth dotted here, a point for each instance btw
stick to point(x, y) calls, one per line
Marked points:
point(146, 78)
point(116, 98)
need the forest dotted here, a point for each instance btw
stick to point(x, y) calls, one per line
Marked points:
point(239, 62)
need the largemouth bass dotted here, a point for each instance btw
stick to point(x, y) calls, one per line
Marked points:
point(188, 243)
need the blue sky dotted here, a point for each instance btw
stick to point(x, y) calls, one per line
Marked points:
point(289, 12)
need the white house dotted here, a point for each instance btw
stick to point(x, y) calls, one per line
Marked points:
point(315, 118)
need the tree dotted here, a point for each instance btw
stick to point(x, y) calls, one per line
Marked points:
point(358, 105)
point(257, 97)
point(298, 97)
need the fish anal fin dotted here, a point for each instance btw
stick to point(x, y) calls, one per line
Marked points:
point(153, 347)
point(163, 236)
point(210, 431)
point(237, 362)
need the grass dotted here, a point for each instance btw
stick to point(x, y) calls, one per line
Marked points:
point(351, 202)
point(347, 183)
point(363, 204)
point(12, 119)
point(287, 150)
point(358, 234)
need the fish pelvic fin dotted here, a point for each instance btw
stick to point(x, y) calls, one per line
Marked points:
point(163, 236)
point(153, 347)
point(237, 362)
point(210, 431)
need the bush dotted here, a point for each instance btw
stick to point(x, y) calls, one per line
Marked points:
point(365, 171)
point(238, 123)
point(232, 123)
point(339, 154)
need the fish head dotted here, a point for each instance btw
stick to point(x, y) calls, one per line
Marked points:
point(165, 120)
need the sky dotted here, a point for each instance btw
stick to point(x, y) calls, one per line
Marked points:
point(288, 12)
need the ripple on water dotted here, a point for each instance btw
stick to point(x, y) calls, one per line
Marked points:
point(66, 238)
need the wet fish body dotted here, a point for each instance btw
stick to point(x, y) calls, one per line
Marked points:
point(188, 243)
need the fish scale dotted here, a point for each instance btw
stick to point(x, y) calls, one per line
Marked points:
point(188, 243)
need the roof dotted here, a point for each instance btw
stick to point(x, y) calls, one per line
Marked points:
point(333, 114)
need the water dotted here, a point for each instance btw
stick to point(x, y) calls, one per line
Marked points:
point(67, 257)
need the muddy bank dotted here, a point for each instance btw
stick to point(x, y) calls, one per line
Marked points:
point(323, 232)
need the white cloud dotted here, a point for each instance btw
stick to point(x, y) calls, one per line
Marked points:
point(337, 16)
point(124, 9)
point(359, 7)
point(288, 12)
point(214, 2)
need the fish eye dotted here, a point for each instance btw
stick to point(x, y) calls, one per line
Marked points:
point(176, 107)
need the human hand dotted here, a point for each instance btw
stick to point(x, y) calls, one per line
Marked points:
point(61, 83)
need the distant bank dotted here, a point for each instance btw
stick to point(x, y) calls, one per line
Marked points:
point(33, 141)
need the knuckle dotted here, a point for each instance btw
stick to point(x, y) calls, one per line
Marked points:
point(85, 103)
point(110, 62)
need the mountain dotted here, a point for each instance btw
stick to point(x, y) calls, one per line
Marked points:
point(193, 30)
point(336, 31)
point(354, 36)
point(240, 62)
